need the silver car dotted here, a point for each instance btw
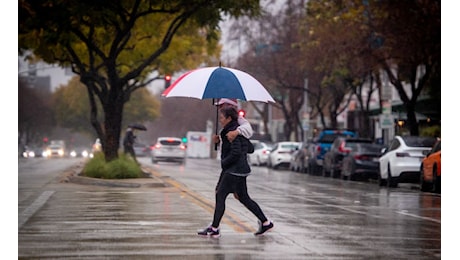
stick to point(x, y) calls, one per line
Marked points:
point(168, 149)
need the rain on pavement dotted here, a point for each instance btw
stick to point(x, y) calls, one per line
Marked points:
point(157, 218)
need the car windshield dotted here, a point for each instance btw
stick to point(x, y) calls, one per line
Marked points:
point(329, 138)
point(419, 141)
point(289, 146)
point(372, 148)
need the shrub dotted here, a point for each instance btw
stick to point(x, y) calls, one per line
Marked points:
point(122, 168)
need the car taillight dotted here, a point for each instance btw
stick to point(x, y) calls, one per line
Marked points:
point(318, 148)
point(362, 157)
point(157, 146)
point(402, 155)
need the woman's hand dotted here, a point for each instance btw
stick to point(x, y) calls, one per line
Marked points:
point(231, 135)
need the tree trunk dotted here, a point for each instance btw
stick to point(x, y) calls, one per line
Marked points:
point(412, 123)
point(112, 126)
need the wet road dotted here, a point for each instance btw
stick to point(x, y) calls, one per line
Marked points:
point(315, 218)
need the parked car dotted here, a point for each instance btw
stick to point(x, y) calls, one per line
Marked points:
point(281, 154)
point(430, 170)
point(141, 150)
point(325, 139)
point(260, 154)
point(169, 149)
point(401, 160)
point(332, 164)
point(362, 162)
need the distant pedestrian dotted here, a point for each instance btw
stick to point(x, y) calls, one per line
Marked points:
point(128, 143)
point(235, 170)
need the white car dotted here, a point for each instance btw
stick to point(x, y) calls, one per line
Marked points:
point(169, 149)
point(55, 150)
point(260, 154)
point(281, 154)
point(401, 160)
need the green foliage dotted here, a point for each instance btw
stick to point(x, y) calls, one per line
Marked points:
point(72, 110)
point(115, 46)
point(434, 131)
point(122, 168)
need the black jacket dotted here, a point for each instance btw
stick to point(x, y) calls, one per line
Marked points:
point(129, 139)
point(234, 154)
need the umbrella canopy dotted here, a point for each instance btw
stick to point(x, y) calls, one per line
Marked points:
point(218, 82)
point(138, 126)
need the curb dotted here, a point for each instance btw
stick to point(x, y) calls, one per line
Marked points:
point(150, 180)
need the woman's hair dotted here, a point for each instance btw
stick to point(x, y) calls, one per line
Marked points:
point(229, 112)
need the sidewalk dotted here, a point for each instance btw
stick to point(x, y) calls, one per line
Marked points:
point(145, 218)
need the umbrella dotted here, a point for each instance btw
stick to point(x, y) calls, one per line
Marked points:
point(218, 82)
point(138, 127)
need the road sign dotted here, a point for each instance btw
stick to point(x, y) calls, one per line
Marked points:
point(386, 121)
point(386, 107)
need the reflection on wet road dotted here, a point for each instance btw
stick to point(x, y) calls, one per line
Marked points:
point(315, 218)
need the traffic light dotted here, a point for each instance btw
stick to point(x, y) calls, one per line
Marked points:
point(242, 113)
point(184, 140)
point(167, 81)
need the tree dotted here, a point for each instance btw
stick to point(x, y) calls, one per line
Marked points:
point(71, 107)
point(115, 45)
point(401, 38)
point(411, 51)
point(272, 57)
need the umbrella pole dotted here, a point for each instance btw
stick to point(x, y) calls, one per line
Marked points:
point(217, 119)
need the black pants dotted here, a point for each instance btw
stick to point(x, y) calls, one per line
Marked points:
point(130, 150)
point(227, 184)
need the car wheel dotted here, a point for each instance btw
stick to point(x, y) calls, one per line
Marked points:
point(382, 182)
point(352, 172)
point(335, 173)
point(436, 181)
point(303, 168)
point(424, 186)
point(324, 172)
point(392, 182)
point(308, 168)
point(258, 161)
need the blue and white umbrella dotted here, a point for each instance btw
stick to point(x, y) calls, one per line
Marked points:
point(218, 82)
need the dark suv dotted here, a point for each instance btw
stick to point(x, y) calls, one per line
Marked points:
point(325, 139)
point(340, 148)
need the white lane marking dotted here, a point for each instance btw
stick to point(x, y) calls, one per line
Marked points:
point(34, 207)
point(404, 212)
